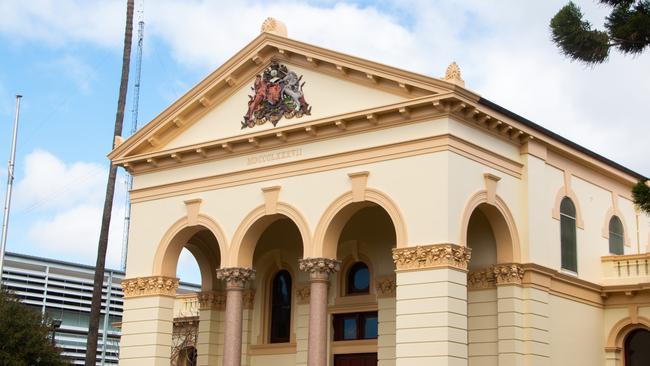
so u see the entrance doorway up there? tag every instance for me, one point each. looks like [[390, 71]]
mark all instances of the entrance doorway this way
[[357, 359]]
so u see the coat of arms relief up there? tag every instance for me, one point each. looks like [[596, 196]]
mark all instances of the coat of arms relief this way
[[277, 93]]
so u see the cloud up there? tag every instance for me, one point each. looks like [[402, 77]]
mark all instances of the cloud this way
[[78, 71], [58, 22], [60, 204], [50, 183]]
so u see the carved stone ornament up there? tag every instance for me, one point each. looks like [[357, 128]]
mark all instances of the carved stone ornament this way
[[385, 286], [508, 273], [452, 74], [236, 277], [481, 279], [215, 300], [319, 265], [272, 25], [431, 256], [150, 286], [277, 93], [303, 291]]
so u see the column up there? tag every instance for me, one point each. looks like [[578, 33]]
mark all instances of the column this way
[[236, 279], [431, 305], [147, 320], [210, 336], [319, 270]]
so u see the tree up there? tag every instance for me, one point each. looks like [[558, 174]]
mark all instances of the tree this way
[[24, 335], [95, 309], [627, 29], [641, 195]]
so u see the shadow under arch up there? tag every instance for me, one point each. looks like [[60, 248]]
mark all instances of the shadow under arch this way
[[183, 234], [253, 226], [341, 210], [501, 221]]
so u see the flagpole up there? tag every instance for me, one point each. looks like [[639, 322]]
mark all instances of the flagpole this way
[[10, 181]]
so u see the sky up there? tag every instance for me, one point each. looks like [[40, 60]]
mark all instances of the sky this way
[[64, 57]]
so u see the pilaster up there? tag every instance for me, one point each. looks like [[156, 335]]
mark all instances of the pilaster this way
[[431, 305], [147, 320], [211, 322]]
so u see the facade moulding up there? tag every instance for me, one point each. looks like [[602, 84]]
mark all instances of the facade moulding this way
[[493, 276], [431, 256], [385, 286], [399, 150], [150, 286]]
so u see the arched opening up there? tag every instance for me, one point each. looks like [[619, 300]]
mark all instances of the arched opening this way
[[637, 348], [276, 248], [192, 255], [493, 241], [568, 237], [364, 236]]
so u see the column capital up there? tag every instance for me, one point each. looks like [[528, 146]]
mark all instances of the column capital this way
[[508, 274], [432, 256], [149, 286], [319, 268], [211, 300], [235, 277]]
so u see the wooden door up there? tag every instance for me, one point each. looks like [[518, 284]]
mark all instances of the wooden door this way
[[357, 359]]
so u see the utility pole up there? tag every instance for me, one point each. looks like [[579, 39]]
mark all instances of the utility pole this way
[[134, 127], [10, 183]]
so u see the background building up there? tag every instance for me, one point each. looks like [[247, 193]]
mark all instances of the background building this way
[[63, 290]]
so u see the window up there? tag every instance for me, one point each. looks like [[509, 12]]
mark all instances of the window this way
[[637, 352], [281, 308], [568, 235], [358, 279], [616, 236], [351, 326]]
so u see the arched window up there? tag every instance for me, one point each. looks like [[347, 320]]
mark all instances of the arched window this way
[[358, 279], [281, 308], [568, 235], [616, 236], [637, 350]]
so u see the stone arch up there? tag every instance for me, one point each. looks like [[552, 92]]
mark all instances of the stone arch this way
[[620, 330], [178, 236], [559, 196], [253, 226], [608, 216], [502, 223], [341, 210]]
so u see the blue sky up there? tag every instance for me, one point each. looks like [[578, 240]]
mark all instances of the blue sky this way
[[65, 57]]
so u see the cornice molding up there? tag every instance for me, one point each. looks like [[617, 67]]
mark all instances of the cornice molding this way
[[150, 286], [432, 256]]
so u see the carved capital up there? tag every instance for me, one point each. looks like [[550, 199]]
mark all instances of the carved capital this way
[[431, 256], [385, 286], [303, 291], [236, 277], [215, 300], [511, 273], [481, 279], [149, 286], [319, 268]]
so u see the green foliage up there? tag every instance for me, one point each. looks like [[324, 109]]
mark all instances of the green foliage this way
[[641, 195], [628, 30], [24, 339]]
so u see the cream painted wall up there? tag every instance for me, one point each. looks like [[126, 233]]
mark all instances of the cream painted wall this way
[[307, 151], [575, 333], [328, 96]]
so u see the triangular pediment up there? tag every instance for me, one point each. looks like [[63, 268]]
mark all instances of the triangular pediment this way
[[334, 84]]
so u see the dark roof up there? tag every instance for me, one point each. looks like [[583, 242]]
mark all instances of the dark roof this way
[[559, 138]]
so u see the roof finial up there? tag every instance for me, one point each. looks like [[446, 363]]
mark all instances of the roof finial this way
[[272, 25], [453, 74]]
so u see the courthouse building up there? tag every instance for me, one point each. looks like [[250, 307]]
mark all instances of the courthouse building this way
[[344, 212]]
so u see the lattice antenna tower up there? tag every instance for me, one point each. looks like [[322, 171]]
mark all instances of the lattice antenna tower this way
[[134, 127]]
